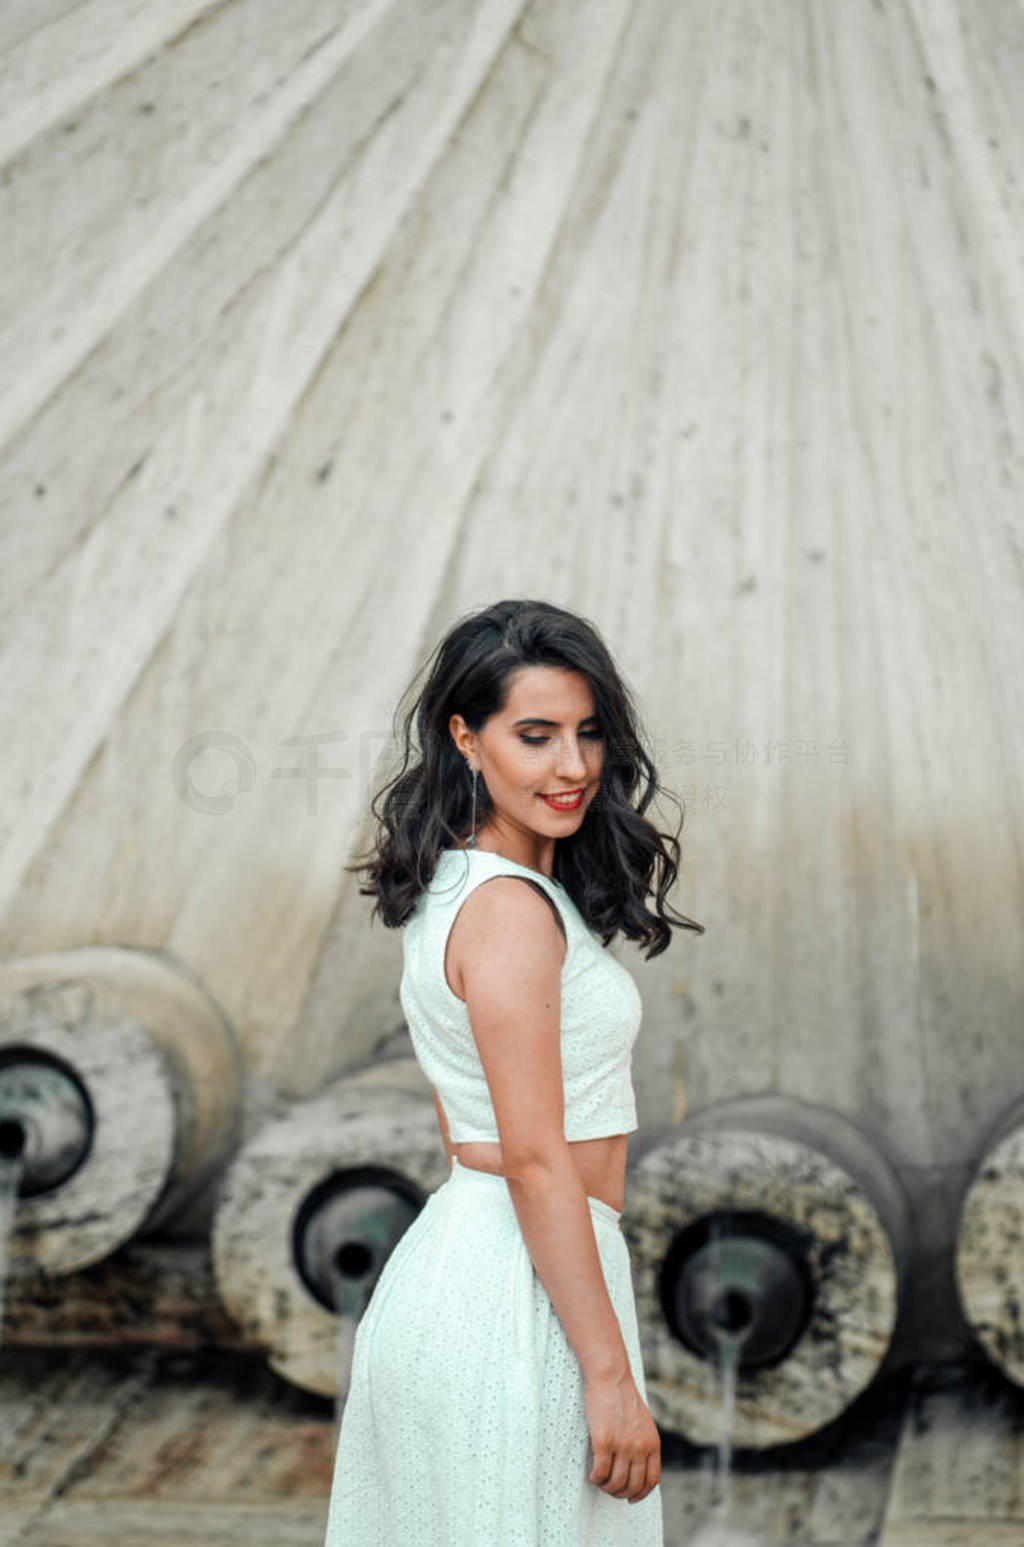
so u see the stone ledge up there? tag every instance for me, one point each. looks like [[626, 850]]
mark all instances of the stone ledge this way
[[156, 1291]]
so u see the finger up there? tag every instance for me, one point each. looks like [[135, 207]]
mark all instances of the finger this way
[[604, 1457], [617, 1476], [637, 1480], [647, 1481], [618, 1480]]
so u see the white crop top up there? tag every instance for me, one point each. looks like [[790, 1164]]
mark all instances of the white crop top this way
[[600, 1010]]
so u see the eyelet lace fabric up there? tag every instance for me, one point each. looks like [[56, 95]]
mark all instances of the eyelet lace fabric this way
[[465, 1423], [601, 1009]]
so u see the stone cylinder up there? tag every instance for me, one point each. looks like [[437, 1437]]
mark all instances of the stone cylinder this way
[[310, 1209], [989, 1255], [769, 1237], [119, 1086]]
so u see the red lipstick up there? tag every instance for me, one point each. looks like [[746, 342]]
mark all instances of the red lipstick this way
[[564, 805]]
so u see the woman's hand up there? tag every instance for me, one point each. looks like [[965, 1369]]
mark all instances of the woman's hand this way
[[624, 1439]]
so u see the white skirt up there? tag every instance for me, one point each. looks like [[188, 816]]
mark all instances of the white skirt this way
[[464, 1424]]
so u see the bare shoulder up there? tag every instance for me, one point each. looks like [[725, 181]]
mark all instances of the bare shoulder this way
[[504, 918], [511, 900]]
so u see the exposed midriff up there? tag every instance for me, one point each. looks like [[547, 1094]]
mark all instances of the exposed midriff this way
[[601, 1163]]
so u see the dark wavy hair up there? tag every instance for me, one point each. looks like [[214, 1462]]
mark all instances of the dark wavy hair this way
[[616, 859]]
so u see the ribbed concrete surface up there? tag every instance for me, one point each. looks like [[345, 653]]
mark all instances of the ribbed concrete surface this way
[[322, 323]]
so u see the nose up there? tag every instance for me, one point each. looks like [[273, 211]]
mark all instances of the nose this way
[[569, 760]]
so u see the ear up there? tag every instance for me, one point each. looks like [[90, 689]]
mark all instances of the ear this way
[[462, 736]]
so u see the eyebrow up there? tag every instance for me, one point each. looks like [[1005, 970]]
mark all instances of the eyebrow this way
[[536, 720]]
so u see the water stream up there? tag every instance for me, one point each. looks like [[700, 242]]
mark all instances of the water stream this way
[[346, 1334], [730, 1320], [348, 1227], [717, 1530]]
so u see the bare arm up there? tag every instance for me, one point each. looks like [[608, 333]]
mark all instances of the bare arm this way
[[509, 951]]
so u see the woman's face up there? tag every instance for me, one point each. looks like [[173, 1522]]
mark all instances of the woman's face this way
[[545, 742]]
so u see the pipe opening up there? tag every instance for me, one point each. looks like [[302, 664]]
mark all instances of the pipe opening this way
[[46, 1118], [12, 1138], [346, 1229], [354, 1259], [740, 1276], [732, 1311]]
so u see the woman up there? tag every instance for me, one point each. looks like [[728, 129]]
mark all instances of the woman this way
[[497, 1393]]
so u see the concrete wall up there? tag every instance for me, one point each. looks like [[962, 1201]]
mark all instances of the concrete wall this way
[[323, 323]]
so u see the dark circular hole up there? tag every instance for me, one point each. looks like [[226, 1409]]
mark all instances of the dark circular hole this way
[[32, 1080], [12, 1138], [345, 1261], [764, 1296], [732, 1311], [354, 1259]]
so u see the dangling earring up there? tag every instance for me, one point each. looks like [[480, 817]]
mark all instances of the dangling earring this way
[[471, 840]]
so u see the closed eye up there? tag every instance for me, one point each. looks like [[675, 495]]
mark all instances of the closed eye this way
[[537, 741]]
